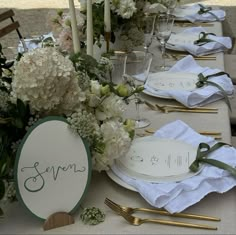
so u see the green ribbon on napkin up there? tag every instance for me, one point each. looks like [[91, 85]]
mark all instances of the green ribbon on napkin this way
[[202, 152], [204, 10], [203, 80], [202, 40]]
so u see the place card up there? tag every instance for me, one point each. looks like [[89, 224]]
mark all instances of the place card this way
[[165, 81], [158, 160]]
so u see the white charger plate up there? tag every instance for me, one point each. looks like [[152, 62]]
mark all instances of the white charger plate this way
[[163, 82], [156, 160]]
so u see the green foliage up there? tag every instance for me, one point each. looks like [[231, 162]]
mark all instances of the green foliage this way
[[89, 65], [2, 192], [13, 121]]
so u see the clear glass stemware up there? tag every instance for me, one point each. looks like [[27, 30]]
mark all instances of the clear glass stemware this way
[[136, 70], [171, 6], [163, 31], [147, 25]]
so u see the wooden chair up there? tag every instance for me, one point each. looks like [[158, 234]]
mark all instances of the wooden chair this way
[[13, 25]]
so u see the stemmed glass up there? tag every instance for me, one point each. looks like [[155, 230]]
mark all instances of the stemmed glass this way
[[171, 6], [163, 31], [147, 25], [136, 69]]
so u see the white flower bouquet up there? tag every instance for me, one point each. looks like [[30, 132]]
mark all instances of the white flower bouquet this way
[[44, 82]]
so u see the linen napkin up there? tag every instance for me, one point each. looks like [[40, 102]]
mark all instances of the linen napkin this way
[[185, 41], [177, 196], [199, 96], [191, 13]]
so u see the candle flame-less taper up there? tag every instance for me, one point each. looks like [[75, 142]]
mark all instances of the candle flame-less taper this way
[[75, 32], [89, 28]]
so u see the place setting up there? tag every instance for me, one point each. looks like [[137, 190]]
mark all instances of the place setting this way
[[182, 83], [172, 177], [198, 13], [198, 42]]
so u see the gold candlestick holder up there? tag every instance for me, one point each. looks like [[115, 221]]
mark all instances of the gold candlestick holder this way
[[107, 39]]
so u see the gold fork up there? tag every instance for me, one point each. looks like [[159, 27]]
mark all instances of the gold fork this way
[[166, 108], [131, 210], [216, 135], [138, 221]]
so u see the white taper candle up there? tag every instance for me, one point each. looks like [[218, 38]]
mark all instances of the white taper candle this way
[[107, 16], [75, 32], [89, 28]]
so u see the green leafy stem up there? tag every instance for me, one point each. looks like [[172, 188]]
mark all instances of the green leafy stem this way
[[204, 10], [202, 40], [203, 151], [203, 80]]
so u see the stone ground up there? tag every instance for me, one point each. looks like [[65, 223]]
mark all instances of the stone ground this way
[[33, 15]]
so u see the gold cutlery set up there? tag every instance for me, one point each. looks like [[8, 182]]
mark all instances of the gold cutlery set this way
[[180, 56], [126, 213], [214, 134], [192, 24], [179, 108]]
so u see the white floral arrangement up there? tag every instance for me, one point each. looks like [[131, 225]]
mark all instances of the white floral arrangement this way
[[45, 82], [125, 15]]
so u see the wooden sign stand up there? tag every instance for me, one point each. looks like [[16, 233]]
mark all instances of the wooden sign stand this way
[[58, 219]]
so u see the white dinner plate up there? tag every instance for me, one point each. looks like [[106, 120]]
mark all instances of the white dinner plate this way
[[158, 160], [161, 83], [176, 40], [117, 180]]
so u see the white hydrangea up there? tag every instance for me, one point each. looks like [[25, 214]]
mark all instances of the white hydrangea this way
[[126, 9], [46, 79], [111, 106], [117, 143], [95, 88]]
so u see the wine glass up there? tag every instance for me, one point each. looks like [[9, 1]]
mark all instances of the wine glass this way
[[171, 6], [136, 69], [163, 30], [147, 25]]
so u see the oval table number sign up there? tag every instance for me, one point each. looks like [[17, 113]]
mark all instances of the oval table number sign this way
[[53, 168]]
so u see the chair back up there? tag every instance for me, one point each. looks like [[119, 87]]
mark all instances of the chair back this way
[[13, 25]]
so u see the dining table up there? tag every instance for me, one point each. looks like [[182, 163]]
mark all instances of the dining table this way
[[18, 220]]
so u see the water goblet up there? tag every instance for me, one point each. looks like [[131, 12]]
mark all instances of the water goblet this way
[[136, 70], [171, 6], [147, 24], [163, 31]]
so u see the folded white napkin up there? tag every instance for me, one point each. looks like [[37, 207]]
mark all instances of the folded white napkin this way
[[177, 196], [191, 13], [199, 96], [184, 41]]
